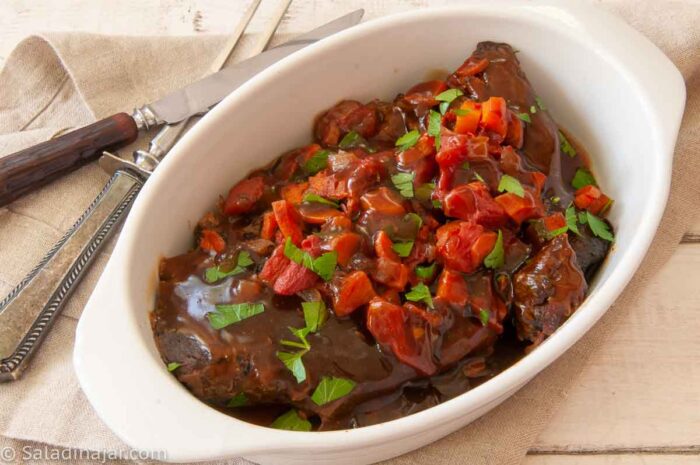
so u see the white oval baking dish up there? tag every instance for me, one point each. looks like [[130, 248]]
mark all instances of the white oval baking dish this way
[[601, 79]]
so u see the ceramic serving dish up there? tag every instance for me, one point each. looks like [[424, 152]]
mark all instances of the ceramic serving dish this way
[[602, 80]]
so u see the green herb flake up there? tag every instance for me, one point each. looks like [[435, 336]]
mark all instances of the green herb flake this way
[[437, 204], [214, 274], [533, 109], [403, 249], [571, 224], [324, 266], [599, 227], [291, 421], [420, 292], [408, 140], [496, 258], [484, 316], [478, 177], [424, 191], [466, 165], [540, 103], [461, 111], [239, 400], [444, 106], [557, 232], [349, 140], [293, 362], [330, 389], [449, 95], [566, 146], [426, 272], [244, 259], [317, 162], [315, 315], [310, 197], [434, 125], [229, 314], [583, 178], [524, 117], [172, 366], [301, 334], [404, 183], [556, 199], [415, 218], [512, 185]]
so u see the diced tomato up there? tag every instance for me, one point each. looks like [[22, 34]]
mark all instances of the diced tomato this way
[[462, 245], [274, 266], [346, 245], [592, 199], [469, 123], [243, 196], [330, 186], [472, 66], [269, 226], [515, 134], [383, 247], [312, 244], [288, 220], [211, 241], [294, 278], [453, 149], [473, 202], [353, 291], [521, 208], [383, 200], [494, 114], [391, 327], [554, 221], [294, 193], [391, 273], [452, 288]]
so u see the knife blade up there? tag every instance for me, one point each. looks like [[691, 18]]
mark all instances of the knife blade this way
[[29, 310]]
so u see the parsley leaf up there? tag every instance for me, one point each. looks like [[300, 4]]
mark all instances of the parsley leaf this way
[[310, 197], [291, 421], [484, 316], [557, 232], [330, 389], [172, 366], [408, 140], [317, 162], [566, 146], [403, 249], [214, 274], [424, 191], [315, 315], [524, 117], [599, 227], [583, 178], [496, 257], [420, 292], [301, 334], [292, 360], [478, 177], [229, 314], [434, 123], [571, 220], [533, 109], [512, 185], [461, 111], [540, 103], [425, 272], [404, 183], [443, 107], [239, 400], [324, 266], [349, 140], [437, 204], [415, 218], [448, 95]]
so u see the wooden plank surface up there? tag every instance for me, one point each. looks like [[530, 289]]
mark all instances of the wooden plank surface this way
[[637, 403]]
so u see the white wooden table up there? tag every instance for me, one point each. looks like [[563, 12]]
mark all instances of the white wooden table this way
[[637, 403]]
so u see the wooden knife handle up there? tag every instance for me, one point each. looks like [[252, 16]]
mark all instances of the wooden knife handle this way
[[24, 171]]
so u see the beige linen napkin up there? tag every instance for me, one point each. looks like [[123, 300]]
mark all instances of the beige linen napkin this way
[[59, 81]]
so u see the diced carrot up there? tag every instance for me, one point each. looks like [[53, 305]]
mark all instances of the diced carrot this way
[[520, 208], [288, 220], [338, 223], [383, 247], [425, 147], [469, 123], [391, 273], [494, 114], [346, 245], [554, 221], [462, 245], [269, 226], [592, 199], [452, 288], [354, 291], [318, 213], [243, 196], [211, 241], [294, 193], [330, 186], [483, 246], [515, 135], [383, 200]]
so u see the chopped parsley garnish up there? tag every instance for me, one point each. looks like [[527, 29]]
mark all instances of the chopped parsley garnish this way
[[570, 216], [330, 389], [496, 257], [533, 109], [466, 165], [512, 185], [408, 140], [233, 313], [566, 146], [420, 292], [478, 177], [324, 266], [425, 272], [540, 103], [415, 218], [424, 191], [437, 204], [556, 199], [484, 316], [404, 183], [434, 123], [291, 421], [349, 140], [557, 232], [301, 334], [310, 197], [172, 366], [315, 314], [316, 162], [403, 249], [599, 227], [239, 400], [293, 362], [524, 117], [461, 111], [446, 97], [583, 178], [214, 274]]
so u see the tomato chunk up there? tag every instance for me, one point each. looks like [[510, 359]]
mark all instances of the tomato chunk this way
[[391, 273], [269, 226], [494, 114], [452, 288], [473, 202], [274, 266], [521, 208], [243, 196], [469, 122], [592, 199], [353, 291], [463, 245], [288, 220], [294, 278], [211, 241]]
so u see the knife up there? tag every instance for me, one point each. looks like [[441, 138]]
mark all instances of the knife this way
[[36, 166], [29, 310]]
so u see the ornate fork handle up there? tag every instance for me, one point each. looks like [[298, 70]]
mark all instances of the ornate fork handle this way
[[29, 310]]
